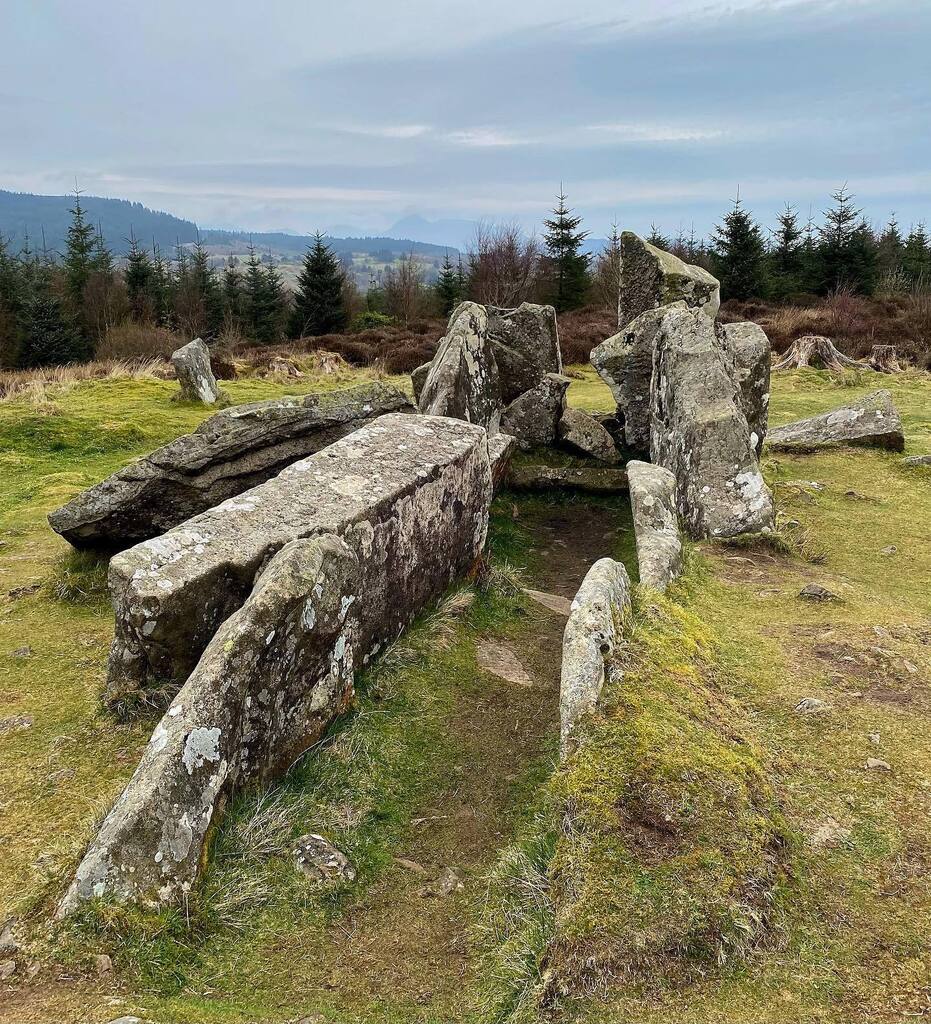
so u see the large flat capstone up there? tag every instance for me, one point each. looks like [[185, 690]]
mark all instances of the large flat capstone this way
[[236, 449], [274, 676], [700, 434], [872, 421], [408, 494]]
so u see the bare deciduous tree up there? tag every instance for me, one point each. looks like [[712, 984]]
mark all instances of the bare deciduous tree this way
[[606, 283], [403, 288], [503, 265]]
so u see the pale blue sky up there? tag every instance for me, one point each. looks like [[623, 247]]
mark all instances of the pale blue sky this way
[[298, 115]]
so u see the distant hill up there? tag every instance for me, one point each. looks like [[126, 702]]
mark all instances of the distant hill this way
[[284, 243], [22, 214]]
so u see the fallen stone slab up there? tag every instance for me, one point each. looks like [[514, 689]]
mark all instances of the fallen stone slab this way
[[699, 433], [413, 490], [552, 602], [592, 479], [656, 523], [625, 363], [463, 380], [192, 365], [872, 421], [652, 277], [274, 676], [501, 661], [592, 635], [533, 417], [236, 449], [525, 342], [582, 433], [747, 348], [917, 460]]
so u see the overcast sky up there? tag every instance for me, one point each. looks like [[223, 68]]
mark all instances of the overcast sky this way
[[297, 115]]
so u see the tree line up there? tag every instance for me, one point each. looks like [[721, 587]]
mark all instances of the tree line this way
[[57, 309]]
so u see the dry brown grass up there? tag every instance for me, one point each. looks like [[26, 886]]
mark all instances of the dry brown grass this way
[[38, 383], [131, 340]]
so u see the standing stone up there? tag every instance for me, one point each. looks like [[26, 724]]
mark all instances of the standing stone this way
[[592, 635], [525, 342], [192, 365], [408, 494], [237, 448], [463, 380], [625, 363], [533, 417], [651, 277], [748, 351], [872, 421], [656, 523], [584, 434], [699, 433]]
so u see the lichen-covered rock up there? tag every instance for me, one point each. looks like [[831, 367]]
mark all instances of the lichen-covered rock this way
[[192, 365], [748, 351], [408, 494], [319, 860], [525, 342], [418, 379], [651, 277], [535, 476], [463, 379], [533, 417], [274, 676], [583, 433], [656, 523], [872, 421], [501, 450], [699, 433], [237, 448], [625, 363], [593, 632]]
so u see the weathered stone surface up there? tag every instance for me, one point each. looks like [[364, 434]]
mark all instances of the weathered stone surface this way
[[625, 363], [651, 277], [699, 433], [192, 365], [276, 673], [501, 449], [525, 342], [463, 380], [592, 479], [917, 460], [418, 379], [319, 860], [747, 349], [409, 494], [583, 433], [872, 421], [235, 449], [656, 523], [593, 632], [533, 417]]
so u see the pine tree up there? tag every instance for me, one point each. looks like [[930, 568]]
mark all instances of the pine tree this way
[[567, 265], [11, 305], [739, 255], [233, 296], [890, 251], [786, 257], [205, 290], [138, 276], [916, 256], [657, 238], [160, 288], [263, 300], [49, 335], [846, 251], [80, 247], [318, 303], [447, 287]]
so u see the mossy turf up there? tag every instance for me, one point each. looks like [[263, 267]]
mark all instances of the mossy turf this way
[[847, 939]]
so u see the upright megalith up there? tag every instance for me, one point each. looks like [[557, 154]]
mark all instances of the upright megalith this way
[[408, 494], [237, 448], [274, 676], [699, 432], [192, 365], [590, 641], [651, 277], [463, 378], [872, 421], [747, 350], [656, 523], [533, 417], [525, 342]]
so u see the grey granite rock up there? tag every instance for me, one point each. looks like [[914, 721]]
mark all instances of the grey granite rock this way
[[872, 421]]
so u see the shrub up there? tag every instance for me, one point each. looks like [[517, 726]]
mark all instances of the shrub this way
[[369, 320], [129, 340]]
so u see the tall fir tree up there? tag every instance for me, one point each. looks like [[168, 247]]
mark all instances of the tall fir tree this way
[[49, 335], [160, 288], [263, 300], [447, 287], [233, 296], [739, 255], [890, 252], [205, 289], [786, 257], [846, 253], [138, 277], [12, 297], [566, 264], [657, 238], [916, 256], [318, 303]]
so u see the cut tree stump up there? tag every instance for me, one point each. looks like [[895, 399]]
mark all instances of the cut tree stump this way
[[884, 359], [816, 351]]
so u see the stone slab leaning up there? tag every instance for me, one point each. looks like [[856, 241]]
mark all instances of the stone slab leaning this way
[[408, 494], [656, 523], [872, 421], [235, 449], [593, 632]]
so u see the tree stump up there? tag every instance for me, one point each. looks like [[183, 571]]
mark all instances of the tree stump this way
[[816, 351], [883, 359]]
